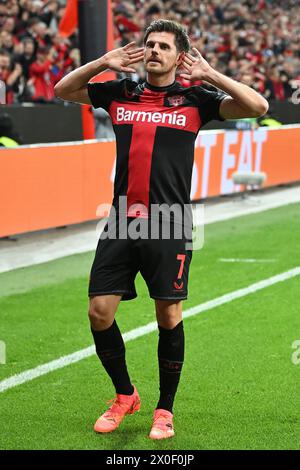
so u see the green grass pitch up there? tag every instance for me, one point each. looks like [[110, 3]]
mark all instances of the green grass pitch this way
[[239, 387]]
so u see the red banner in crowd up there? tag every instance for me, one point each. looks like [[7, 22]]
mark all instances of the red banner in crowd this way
[[69, 21]]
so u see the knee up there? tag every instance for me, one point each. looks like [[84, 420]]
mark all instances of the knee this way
[[169, 319], [168, 314], [100, 314], [169, 322]]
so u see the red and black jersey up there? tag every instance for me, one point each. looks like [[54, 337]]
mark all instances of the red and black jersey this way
[[155, 129]]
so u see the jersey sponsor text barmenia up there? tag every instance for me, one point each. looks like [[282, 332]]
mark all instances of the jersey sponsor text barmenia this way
[[143, 116]]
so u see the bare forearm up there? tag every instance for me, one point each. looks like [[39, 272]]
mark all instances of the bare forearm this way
[[73, 87], [79, 77], [241, 93]]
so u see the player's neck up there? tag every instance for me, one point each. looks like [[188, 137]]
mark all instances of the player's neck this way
[[160, 80]]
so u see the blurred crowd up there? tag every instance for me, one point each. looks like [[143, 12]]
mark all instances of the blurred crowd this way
[[256, 42], [33, 56], [253, 41]]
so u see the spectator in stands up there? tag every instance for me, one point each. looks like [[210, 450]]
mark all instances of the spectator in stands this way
[[3, 14], [8, 136], [27, 56], [7, 41], [38, 32], [237, 37], [43, 35], [29, 29], [49, 14], [9, 25], [40, 76], [11, 75], [277, 86]]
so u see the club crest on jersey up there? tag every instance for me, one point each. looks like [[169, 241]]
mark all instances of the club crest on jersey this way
[[176, 100]]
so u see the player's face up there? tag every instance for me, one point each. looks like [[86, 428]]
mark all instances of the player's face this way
[[161, 54]]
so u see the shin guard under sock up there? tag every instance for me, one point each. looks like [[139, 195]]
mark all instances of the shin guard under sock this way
[[110, 349], [170, 358]]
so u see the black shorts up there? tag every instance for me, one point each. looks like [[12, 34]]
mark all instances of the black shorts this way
[[163, 263]]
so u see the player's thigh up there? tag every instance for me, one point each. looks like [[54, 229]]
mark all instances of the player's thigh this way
[[164, 265], [114, 269]]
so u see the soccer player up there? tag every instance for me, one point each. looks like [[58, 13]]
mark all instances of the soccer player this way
[[156, 123]]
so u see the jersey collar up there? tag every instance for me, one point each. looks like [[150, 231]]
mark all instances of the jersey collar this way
[[160, 88]]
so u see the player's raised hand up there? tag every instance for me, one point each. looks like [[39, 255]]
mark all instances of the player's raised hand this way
[[196, 67], [121, 59]]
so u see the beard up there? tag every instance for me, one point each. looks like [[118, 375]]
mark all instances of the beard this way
[[159, 69]]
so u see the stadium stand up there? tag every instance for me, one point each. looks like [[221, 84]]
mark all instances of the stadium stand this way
[[33, 57], [254, 41]]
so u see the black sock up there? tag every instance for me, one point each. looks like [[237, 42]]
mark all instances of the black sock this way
[[170, 358], [111, 352]]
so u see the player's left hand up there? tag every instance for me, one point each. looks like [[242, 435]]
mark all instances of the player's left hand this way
[[196, 68]]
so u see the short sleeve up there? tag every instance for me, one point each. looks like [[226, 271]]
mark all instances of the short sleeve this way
[[209, 104], [102, 94]]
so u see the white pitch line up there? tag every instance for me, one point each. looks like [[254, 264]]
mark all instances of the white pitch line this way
[[77, 356], [246, 260]]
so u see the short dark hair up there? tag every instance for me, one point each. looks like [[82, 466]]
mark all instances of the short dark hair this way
[[181, 38]]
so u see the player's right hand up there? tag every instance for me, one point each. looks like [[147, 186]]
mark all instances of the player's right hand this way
[[121, 59]]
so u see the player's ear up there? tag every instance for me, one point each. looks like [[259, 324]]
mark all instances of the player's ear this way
[[180, 58]]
